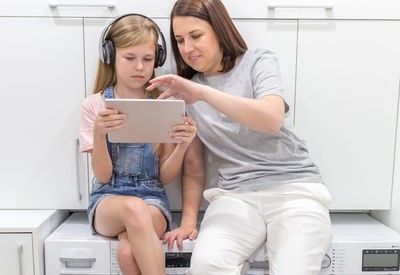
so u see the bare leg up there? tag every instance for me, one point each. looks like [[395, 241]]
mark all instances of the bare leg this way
[[116, 214], [126, 261]]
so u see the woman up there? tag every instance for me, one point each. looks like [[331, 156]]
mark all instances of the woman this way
[[128, 198], [269, 190]]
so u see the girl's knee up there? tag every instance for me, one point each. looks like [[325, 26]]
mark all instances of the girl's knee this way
[[136, 214]]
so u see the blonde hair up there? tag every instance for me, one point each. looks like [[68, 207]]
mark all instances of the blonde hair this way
[[129, 31]]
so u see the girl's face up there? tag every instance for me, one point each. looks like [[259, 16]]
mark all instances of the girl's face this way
[[198, 44], [134, 65]]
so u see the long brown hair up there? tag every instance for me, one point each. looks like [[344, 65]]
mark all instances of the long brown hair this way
[[129, 31], [214, 12]]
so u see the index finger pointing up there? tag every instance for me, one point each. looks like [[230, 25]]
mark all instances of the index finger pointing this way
[[153, 86]]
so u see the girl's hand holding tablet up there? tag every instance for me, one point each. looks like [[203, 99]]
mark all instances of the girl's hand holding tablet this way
[[108, 120]]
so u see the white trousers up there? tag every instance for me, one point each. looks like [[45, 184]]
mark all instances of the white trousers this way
[[293, 219]]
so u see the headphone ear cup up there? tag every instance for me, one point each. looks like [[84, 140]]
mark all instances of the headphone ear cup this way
[[157, 57], [108, 52], [160, 56]]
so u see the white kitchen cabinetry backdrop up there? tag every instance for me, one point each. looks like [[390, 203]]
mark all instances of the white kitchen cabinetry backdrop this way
[[42, 87], [347, 90], [341, 76], [86, 8], [261, 9], [22, 236]]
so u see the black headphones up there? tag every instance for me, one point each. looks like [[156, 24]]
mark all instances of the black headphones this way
[[107, 49]]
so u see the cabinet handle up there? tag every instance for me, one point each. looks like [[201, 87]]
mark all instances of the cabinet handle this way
[[20, 250], [107, 4], [78, 171], [78, 262], [290, 5]]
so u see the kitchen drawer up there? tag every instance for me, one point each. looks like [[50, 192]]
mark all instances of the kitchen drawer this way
[[292, 9], [85, 8]]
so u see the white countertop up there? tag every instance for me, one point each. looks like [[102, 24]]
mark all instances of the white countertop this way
[[23, 220]]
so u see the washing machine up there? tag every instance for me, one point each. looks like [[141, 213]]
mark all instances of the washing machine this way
[[73, 249], [360, 245]]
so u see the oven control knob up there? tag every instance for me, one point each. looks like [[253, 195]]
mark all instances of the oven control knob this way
[[326, 261]]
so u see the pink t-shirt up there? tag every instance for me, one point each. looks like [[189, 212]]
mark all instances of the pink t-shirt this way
[[89, 109]]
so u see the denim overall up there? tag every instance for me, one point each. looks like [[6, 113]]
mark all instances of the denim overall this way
[[135, 173]]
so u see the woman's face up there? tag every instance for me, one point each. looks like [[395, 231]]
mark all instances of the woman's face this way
[[198, 44], [134, 65]]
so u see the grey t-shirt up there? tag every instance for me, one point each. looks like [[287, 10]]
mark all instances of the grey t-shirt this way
[[247, 159]]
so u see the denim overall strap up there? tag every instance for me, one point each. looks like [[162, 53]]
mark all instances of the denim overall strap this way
[[108, 93]]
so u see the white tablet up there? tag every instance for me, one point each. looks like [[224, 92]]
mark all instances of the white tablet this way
[[147, 120]]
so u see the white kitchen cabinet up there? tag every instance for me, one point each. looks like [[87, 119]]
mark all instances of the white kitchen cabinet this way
[[42, 65], [86, 8], [347, 92], [322, 9], [341, 9], [260, 9], [22, 236], [16, 254]]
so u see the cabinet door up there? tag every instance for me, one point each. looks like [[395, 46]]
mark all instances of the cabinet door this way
[[42, 88], [16, 256], [346, 106]]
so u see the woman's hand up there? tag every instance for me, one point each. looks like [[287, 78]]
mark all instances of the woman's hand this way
[[179, 234], [108, 120], [184, 132], [179, 87]]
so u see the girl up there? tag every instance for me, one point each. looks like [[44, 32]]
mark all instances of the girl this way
[[128, 199], [269, 190]]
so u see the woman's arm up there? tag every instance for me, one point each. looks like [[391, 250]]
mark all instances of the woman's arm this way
[[192, 182], [263, 115], [170, 160]]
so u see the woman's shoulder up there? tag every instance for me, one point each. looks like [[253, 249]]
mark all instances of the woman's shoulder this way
[[259, 53], [261, 60]]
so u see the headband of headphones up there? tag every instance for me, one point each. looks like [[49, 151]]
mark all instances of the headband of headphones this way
[[107, 49]]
